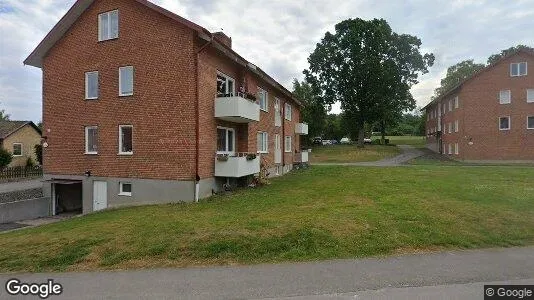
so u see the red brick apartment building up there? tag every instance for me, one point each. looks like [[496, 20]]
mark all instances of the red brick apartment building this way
[[489, 116], [143, 106]]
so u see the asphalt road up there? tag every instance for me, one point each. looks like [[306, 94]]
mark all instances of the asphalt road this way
[[21, 185], [460, 272]]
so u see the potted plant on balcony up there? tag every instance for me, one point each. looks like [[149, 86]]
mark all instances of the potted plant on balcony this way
[[222, 157], [251, 156]]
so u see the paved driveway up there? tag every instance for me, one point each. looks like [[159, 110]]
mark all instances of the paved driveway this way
[[407, 153], [372, 278], [21, 185]]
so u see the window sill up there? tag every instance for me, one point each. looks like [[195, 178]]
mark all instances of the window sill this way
[[125, 153], [91, 98], [263, 152], [287, 151], [264, 110], [18, 155], [125, 194], [126, 95], [91, 153], [507, 129], [107, 40]]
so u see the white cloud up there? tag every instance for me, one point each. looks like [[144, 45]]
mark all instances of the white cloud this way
[[279, 35]]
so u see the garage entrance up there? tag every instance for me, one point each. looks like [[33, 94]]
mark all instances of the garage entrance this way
[[67, 196]]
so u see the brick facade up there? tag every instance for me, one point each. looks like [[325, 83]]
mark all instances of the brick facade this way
[[479, 137]]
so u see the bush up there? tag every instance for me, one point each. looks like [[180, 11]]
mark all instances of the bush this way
[[29, 162], [5, 158], [39, 153]]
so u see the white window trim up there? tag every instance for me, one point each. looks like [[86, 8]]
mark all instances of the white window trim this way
[[100, 38], [265, 97], [518, 69], [509, 97], [233, 140], [120, 140], [456, 149], [532, 99], [450, 104], [287, 149], [121, 94], [265, 142], [450, 149], [87, 140], [87, 85], [456, 102], [121, 192], [450, 127], [529, 128], [21, 150], [228, 78], [456, 126], [509, 123], [290, 111]]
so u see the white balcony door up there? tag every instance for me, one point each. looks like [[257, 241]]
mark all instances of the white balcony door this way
[[277, 114], [277, 149]]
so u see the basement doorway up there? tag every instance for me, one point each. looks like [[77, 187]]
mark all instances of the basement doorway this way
[[67, 196]]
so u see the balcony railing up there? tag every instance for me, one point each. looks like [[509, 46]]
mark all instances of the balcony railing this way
[[301, 157], [237, 109], [237, 165], [301, 128]]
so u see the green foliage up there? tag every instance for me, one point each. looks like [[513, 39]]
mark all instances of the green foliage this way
[[456, 74], [368, 68], [3, 115], [5, 158], [495, 57], [314, 111], [29, 162], [39, 153], [407, 124]]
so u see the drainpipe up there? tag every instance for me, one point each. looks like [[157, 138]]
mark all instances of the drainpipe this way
[[197, 119], [282, 112]]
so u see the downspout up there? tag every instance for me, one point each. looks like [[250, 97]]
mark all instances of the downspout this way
[[282, 116], [197, 119]]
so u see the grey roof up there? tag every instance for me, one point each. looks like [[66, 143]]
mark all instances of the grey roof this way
[[9, 127]]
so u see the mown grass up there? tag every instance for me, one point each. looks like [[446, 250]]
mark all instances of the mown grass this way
[[320, 213], [351, 153]]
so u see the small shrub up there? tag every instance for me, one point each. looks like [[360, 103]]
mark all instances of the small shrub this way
[[39, 153], [29, 162], [5, 158]]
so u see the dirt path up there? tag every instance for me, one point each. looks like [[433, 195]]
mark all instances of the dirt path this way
[[408, 153]]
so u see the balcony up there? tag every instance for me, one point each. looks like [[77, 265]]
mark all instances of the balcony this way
[[236, 109], [237, 165], [301, 157], [301, 128]]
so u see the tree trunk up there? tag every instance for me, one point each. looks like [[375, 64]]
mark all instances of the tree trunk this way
[[361, 135], [383, 132]]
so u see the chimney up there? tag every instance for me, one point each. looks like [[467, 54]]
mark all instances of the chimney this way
[[223, 38]]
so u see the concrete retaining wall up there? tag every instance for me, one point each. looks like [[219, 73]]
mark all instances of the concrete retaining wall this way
[[24, 210]]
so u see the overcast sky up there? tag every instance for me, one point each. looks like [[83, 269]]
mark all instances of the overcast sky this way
[[279, 35]]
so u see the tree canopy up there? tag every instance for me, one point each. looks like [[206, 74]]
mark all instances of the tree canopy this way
[[456, 74], [495, 57], [314, 111], [368, 68]]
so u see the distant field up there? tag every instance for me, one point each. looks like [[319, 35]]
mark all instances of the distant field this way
[[404, 140], [351, 153]]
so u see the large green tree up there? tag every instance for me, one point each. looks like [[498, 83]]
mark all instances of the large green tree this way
[[495, 57], [456, 74], [314, 111], [368, 68]]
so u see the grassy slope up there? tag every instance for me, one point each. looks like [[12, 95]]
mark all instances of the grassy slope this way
[[351, 153], [319, 213]]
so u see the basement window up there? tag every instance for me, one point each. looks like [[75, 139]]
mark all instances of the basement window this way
[[108, 25], [125, 189], [504, 123]]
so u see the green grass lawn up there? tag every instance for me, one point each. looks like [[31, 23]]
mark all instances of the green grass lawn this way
[[404, 140], [320, 213], [351, 153]]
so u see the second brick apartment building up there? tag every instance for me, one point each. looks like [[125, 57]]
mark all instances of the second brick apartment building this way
[[143, 106], [488, 117]]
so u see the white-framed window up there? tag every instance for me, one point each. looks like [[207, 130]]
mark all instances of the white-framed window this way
[[456, 102], [225, 140], [456, 126], [518, 69], [108, 25], [91, 140], [456, 149], [505, 96], [126, 81], [125, 189], [504, 123], [225, 85], [263, 142], [444, 108], [91, 85], [263, 98], [17, 149], [530, 95], [125, 139], [277, 114], [450, 148], [444, 149], [450, 105], [530, 122], [450, 127], [288, 111], [288, 144]]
